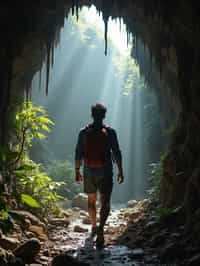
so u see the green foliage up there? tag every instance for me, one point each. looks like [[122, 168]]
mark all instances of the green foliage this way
[[155, 179], [156, 173], [128, 70], [63, 171], [37, 189], [30, 186]]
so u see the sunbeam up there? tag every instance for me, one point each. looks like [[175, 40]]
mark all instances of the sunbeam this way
[[81, 76]]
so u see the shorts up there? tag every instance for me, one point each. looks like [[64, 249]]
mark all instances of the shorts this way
[[103, 184]]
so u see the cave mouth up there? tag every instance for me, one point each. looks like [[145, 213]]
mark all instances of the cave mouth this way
[[80, 76]]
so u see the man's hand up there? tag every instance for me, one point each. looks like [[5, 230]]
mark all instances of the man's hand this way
[[120, 178], [78, 177]]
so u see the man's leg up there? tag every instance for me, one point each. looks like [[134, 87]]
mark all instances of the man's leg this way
[[104, 212], [105, 208], [92, 208]]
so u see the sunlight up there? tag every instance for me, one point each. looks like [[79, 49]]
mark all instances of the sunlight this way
[[81, 76], [116, 30]]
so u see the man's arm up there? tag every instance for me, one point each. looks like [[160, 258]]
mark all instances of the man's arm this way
[[78, 158], [117, 155]]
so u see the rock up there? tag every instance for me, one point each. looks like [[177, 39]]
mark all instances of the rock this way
[[80, 201], [194, 261], [39, 231], [137, 254], [9, 243], [79, 229], [65, 259], [131, 203], [30, 234], [60, 222], [83, 213], [28, 250], [86, 220], [29, 216]]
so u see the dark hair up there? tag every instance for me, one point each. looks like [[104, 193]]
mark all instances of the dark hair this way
[[98, 111]]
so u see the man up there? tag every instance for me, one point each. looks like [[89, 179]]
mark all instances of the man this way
[[97, 146]]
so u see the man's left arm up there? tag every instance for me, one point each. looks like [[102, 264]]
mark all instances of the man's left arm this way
[[117, 155]]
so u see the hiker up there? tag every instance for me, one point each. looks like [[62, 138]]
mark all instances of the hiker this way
[[98, 147]]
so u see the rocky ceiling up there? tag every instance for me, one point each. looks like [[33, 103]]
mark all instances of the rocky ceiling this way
[[169, 29]]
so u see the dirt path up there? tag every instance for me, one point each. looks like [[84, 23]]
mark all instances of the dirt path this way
[[74, 240]]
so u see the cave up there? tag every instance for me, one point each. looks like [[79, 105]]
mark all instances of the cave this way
[[170, 32]]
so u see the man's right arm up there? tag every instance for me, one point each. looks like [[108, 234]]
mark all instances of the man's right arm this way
[[78, 158]]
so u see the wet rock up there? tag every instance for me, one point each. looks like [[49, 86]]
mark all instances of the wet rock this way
[[28, 250], [9, 243], [83, 213], [80, 201], [39, 231], [137, 254], [25, 216], [131, 203], [80, 229], [30, 234], [86, 220], [66, 260], [60, 222], [8, 259], [194, 261]]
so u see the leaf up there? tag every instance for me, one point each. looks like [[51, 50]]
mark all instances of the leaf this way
[[26, 167], [30, 201]]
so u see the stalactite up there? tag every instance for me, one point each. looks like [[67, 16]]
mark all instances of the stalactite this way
[[52, 53], [48, 47], [120, 24], [40, 78], [73, 6], [77, 6], [106, 34]]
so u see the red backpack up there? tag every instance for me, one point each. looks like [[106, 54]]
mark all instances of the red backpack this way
[[96, 146]]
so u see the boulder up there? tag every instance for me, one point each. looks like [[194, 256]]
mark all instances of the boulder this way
[[27, 215], [39, 231], [131, 203], [28, 250], [80, 229], [9, 243], [80, 201], [59, 222], [86, 220]]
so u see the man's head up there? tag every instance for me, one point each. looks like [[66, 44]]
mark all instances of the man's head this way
[[98, 112]]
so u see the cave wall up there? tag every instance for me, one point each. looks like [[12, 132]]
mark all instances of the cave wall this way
[[171, 33]]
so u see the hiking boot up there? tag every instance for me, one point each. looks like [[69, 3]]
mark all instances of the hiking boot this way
[[93, 232], [100, 237]]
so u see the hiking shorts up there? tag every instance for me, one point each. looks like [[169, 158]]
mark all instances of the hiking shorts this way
[[103, 184]]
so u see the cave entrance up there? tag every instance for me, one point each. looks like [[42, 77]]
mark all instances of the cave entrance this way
[[81, 76]]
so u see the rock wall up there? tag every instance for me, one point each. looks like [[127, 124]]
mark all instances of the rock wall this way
[[171, 33]]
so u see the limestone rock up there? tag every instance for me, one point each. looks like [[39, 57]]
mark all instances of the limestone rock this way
[[80, 201], [80, 229], [9, 243], [131, 203], [28, 250], [60, 221], [28, 218], [86, 220], [39, 231]]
